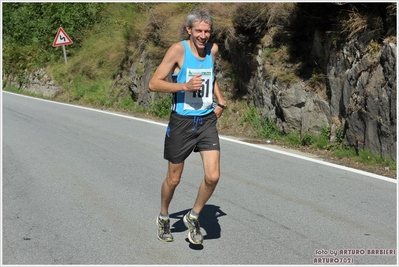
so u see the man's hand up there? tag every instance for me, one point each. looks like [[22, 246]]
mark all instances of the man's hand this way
[[194, 84], [218, 111]]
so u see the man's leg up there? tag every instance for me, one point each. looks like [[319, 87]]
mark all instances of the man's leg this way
[[168, 188], [211, 162], [169, 185]]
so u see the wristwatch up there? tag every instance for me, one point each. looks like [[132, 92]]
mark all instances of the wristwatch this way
[[222, 106]]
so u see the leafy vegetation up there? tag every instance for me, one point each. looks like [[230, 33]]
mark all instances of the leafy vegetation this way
[[264, 127], [364, 156], [161, 106], [29, 29]]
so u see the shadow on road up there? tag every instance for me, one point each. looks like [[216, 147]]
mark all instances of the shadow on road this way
[[208, 221]]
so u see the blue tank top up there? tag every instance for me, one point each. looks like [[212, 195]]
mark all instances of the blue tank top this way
[[197, 103]]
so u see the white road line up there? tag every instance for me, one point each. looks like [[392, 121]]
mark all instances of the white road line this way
[[226, 139]]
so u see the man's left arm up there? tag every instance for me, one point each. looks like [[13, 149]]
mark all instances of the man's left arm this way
[[220, 102]]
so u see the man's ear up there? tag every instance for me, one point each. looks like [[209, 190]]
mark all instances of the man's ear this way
[[188, 29]]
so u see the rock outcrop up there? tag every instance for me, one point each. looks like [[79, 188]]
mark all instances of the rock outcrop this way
[[37, 82], [361, 100]]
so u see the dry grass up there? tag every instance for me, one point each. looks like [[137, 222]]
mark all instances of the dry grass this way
[[169, 19], [356, 23], [359, 22], [279, 13], [232, 121]]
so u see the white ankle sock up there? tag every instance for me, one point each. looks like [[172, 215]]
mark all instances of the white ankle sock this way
[[163, 217], [194, 215]]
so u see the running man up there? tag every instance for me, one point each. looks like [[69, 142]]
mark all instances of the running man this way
[[192, 124]]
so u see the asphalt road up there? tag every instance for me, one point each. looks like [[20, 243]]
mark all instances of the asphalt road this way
[[82, 186]]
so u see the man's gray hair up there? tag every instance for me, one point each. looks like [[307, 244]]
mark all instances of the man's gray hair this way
[[199, 15]]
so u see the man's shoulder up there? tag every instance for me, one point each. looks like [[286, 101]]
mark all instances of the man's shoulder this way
[[177, 47], [175, 52], [214, 48]]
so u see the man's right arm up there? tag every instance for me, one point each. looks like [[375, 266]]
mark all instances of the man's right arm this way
[[173, 57], [158, 81]]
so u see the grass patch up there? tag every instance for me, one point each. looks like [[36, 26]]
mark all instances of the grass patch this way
[[292, 139], [126, 103], [364, 157], [264, 127], [13, 89]]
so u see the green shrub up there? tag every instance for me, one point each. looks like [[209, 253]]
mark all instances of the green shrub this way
[[269, 129], [265, 127], [293, 139], [32, 27], [252, 117], [339, 135], [161, 105], [307, 139], [321, 142]]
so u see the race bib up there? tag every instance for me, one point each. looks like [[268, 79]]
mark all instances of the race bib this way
[[203, 98]]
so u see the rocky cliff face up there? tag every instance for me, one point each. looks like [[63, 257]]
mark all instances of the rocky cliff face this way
[[360, 98], [363, 95]]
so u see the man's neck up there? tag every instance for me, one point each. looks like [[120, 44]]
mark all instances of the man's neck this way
[[199, 53]]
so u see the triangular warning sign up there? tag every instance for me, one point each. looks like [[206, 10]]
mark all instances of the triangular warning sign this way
[[62, 38]]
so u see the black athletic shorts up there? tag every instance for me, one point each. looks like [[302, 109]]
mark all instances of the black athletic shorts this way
[[185, 134]]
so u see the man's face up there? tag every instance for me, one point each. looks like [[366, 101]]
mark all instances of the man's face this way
[[200, 33]]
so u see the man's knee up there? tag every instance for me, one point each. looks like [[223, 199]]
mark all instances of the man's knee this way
[[174, 174], [212, 178], [172, 181]]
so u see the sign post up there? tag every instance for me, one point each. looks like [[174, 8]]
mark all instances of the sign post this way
[[62, 39]]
